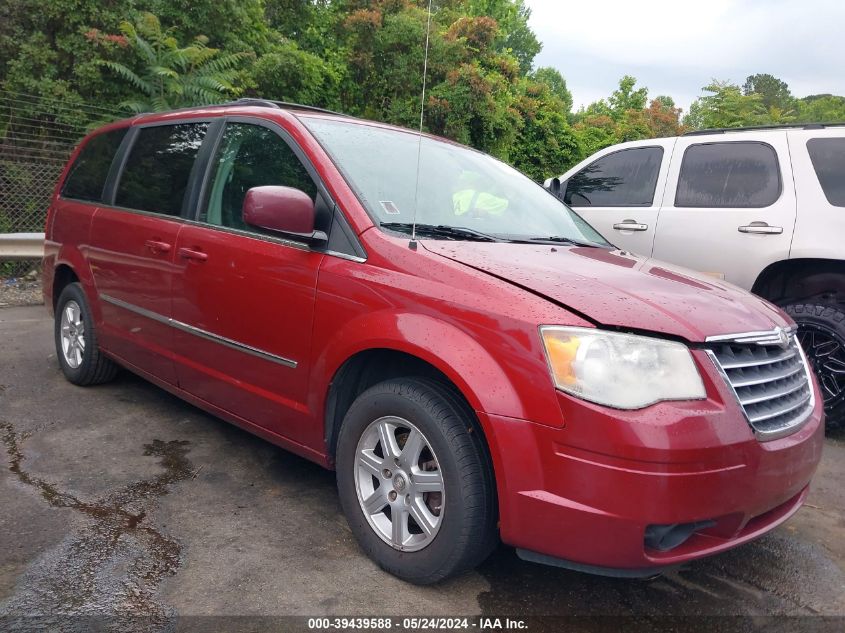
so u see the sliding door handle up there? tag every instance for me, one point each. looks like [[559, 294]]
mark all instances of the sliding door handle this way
[[190, 253], [630, 225], [760, 228]]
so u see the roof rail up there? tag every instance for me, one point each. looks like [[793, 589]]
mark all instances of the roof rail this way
[[252, 101], [752, 128], [269, 103]]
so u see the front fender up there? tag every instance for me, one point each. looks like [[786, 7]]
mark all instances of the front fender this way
[[474, 371]]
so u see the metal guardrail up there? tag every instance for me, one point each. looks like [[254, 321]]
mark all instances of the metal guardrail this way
[[17, 246]]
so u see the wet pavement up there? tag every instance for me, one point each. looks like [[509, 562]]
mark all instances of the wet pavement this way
[[122, 500]]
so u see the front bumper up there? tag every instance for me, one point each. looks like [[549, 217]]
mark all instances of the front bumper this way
[[586, 493]]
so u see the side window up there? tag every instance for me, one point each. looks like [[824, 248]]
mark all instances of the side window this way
[[740, 174], [828, 157], [156, 174], [627, 178], [87, 177], [250, 156]]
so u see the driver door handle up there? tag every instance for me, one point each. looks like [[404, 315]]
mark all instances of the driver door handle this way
[[630, 225], [157, 246], [761, 228]]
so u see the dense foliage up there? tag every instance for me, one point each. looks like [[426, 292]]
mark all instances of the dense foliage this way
[[364, 57]]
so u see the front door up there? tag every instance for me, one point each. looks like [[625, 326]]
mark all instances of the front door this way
[[730, 206], [243, 298], [619, 194], [133, 246]]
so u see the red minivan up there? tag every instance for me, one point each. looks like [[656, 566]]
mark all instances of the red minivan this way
[[473, 359]]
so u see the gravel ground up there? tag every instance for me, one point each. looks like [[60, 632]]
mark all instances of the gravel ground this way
[[21, 291]]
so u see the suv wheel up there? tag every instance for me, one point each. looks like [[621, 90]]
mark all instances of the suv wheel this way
[[415, 482], [80, 358], [821, 331]]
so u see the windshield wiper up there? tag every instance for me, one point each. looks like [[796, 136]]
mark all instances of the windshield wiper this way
[[442, 230], [565, 240]]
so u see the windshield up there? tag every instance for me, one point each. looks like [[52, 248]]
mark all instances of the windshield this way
[[458, 187]]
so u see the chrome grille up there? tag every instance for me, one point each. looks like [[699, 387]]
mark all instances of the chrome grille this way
[[768, 374]]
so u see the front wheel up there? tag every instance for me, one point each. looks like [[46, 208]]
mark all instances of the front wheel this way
[[415, 482], [821, 332]]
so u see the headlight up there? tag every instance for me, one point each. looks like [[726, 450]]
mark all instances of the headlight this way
[[620, 370]]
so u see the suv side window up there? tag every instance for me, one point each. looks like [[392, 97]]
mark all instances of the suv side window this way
[[157, 171], [87, 178], [626, 178], [739, 174], [828, 157], [250, 156]]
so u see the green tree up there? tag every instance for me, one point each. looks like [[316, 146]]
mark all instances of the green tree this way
[[625, 97], [515, 37], [172, 76], [821, 109], [773, 92], [288, 73], [725, 106], [545, 144], [556, 83]]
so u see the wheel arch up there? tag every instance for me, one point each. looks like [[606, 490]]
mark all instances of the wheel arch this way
[[805, 279], [63, 275], [70, 266], [371, 366]]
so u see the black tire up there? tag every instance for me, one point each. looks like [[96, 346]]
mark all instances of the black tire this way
[[94, 368], [468, 532], [821, 330]]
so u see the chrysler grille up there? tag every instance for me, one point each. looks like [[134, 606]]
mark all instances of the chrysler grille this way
[[768, 374]]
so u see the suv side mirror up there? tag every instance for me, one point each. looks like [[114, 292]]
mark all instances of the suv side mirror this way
[[553, 186], [282, 209]]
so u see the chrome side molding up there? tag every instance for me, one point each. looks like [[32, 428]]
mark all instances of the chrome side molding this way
[[210, 336]]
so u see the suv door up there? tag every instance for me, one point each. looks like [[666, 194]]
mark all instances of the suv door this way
[[818, 166], [133, 242], [243, 297], [729, 209], [619, 193]]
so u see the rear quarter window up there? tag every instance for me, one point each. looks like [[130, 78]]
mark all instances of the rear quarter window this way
[[828, 158], [732, 175], [86, 179]]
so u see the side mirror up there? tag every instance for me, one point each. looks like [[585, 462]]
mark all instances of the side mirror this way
[[553, 186], [282, 209]]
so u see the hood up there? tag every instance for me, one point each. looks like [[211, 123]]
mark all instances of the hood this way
[[615, 288]]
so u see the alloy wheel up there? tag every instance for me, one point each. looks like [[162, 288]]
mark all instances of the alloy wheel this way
[[72, 334], [826, 354], [399, 483]]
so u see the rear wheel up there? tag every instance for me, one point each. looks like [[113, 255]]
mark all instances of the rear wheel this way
[[80, 358], [821, 331], [415, 482]]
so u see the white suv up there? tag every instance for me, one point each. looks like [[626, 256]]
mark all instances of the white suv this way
[[763, 208]]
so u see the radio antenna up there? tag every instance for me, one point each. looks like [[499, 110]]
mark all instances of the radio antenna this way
[[413, 243]]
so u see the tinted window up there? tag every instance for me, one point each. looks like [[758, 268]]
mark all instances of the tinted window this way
[[733, 175], [87, 178], [250, 156], [156, 174], [626, 178], [828, 156]]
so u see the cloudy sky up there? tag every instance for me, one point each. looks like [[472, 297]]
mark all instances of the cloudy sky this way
[[675, 47]]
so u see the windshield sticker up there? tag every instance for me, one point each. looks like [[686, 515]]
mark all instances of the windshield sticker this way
[[389, 207]]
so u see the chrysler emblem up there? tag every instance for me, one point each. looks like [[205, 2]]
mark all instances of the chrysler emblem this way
[[783, 337]]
